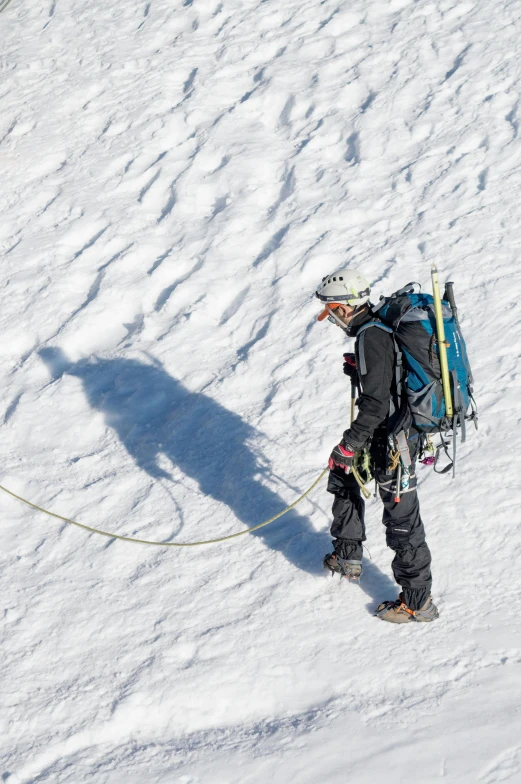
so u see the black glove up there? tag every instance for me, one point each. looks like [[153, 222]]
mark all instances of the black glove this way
[[350, 367], [342, 456]]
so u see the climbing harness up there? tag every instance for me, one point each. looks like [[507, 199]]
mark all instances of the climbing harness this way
[[4, 4], [168, 544]]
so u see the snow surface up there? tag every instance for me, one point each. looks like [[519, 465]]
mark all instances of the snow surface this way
[[177, 177]]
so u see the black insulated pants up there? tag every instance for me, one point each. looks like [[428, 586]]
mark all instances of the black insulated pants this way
[[405, 533]]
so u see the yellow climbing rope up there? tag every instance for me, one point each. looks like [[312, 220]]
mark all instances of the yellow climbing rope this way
[[167, 544]]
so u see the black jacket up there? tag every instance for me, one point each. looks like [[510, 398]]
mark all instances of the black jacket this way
[[378, 386]]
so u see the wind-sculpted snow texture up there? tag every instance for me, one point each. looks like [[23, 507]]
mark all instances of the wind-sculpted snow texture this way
[[176, 179]]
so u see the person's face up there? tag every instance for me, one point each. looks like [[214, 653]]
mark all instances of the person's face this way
[[344, 312]]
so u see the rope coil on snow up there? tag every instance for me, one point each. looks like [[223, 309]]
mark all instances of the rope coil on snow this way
[[167, 544]]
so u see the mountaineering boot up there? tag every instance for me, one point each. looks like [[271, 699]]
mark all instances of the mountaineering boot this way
[[398, 612], [352, 570]]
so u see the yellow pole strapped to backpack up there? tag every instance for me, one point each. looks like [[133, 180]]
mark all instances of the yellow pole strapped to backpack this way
[[442, 343]]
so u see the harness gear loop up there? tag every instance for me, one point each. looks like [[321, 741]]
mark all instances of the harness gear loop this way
[[168, 544]]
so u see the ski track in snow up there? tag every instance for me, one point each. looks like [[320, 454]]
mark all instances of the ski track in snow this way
[[178, 176]]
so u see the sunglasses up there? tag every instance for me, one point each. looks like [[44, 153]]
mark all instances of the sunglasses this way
[[332, 319]]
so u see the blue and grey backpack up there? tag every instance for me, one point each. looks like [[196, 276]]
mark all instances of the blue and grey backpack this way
[[410, 318]]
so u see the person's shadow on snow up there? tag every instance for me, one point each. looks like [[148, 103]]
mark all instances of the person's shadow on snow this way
[[153, 414], [377, 585]]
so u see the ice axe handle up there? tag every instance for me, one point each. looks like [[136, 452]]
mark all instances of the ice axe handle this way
[[448, 296]]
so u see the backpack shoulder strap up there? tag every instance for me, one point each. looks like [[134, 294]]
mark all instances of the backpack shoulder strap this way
[[398, 366], [360, 342]]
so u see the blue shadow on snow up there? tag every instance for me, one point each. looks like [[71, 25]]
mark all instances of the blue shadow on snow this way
[[152, 413]]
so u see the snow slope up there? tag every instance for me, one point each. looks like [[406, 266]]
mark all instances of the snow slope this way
[[177, 177]]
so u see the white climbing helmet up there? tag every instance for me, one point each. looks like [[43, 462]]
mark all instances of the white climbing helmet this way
[[345, 287]]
